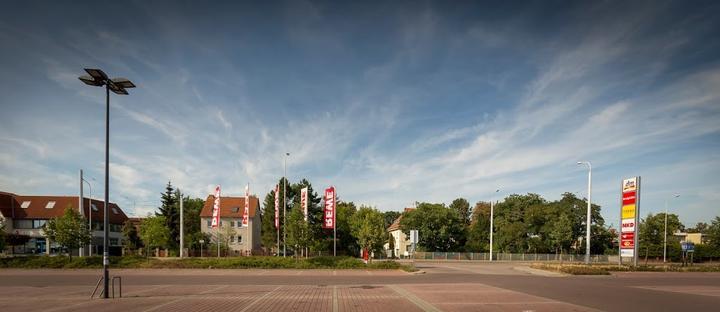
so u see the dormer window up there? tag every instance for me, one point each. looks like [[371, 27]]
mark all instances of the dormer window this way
[[235, 209], [50, 204], [25, 204], [115, 211], [94, 208]]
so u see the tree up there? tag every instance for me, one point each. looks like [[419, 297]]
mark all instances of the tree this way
[[191, 219], [299, 235], [269, 232], [69, 230], [315, 212], [651, 233], [2, 235], [368, 228], [561, 233], [478, 234], [462, 207], [131, 240], [713, 232], [390, 217], [346, 242], [439, 228], [700, 227], [154, 232], [227, 233], [170, 210]]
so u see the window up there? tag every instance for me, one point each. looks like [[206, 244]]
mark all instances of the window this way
[[115, 211], [209, 222], [232, 239], [50, 204], [94, 208], [113, 241], [239, 224], [239, 239], [232, 223], [235, 209], [37, 224], [25, 204], [22, 224]]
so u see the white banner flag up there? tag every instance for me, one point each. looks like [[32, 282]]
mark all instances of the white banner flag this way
[[246, 213], [216, 208], [304, 201]]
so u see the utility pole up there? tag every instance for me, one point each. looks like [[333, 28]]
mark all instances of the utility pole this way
[[181, 225], [492, 227]]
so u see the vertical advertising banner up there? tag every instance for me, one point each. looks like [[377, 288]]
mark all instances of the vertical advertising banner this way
[[216, 208], [329, 211], [304, 201], [246, 212], [277, 206], [628, 217]]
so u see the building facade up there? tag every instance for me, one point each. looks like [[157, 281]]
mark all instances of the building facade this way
[[401, 243], [24, 217], [240, 240]]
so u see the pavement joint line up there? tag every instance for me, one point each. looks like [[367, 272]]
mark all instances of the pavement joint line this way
[[422, 304], [146, 290], [182, 298], [335, 306], [261, 298]]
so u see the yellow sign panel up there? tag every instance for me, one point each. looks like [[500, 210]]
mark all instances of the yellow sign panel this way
[[628, 211]]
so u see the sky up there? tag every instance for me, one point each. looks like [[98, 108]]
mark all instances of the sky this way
[[391, 102]]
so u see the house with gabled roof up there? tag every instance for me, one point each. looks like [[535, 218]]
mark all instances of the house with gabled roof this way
[[245, 240]]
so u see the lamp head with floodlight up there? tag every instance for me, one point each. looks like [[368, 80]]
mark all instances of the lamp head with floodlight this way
[[98, 78]]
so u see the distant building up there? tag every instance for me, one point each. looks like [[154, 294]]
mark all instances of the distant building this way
[[26, 215], [245, 240], [695, 238], [401, 242]]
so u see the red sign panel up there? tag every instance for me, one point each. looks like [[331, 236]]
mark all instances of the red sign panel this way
[[627, 240], [628, 198], [329, 211]]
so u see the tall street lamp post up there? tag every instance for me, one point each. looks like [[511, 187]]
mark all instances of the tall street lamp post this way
[[285, 206], [589, 211], [665, 235], [492, 228], [98, 78]]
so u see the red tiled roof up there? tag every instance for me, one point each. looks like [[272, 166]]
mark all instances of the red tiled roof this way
[[227, 204], [11, 207]]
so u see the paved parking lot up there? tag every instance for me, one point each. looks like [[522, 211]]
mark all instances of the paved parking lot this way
[[443, 287]]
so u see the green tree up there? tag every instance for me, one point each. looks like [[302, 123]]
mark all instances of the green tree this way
[[191, 222], [269, 232], [154, 232], [478, 235], [170, 210], [131, 240], [713, 232], [315, 213], [299, 235], [439, 228], [368, 228], [390, 217], [346, 242], [700, 227], [227, 234], [561, 233], [462, 207], [2, 235], [651, 234], [69, 230]]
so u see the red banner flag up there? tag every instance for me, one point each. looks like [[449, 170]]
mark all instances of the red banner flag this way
[[277, 206], [216, 208], [246, 212], [329, 211]]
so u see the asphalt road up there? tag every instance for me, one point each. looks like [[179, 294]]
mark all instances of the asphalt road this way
[[443, 286]]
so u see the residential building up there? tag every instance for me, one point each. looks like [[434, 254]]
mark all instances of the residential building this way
[[695, 238], [401, 242], [244, 240], [25, 215]]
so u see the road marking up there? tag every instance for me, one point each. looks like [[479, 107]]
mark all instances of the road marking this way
[[261, 298], [183, 298], [422, 304], [336, 308]]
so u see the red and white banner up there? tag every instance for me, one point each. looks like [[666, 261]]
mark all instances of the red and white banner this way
[[246, 212], [329, 211], [304, 201], [277, 206], [216, 208]]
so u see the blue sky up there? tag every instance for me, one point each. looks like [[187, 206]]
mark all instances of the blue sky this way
[[390, 102]]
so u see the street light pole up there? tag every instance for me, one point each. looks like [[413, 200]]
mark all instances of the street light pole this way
[[285, 206], [589, 211], [665, 232], [90, 218], [492, 227], [98, 78]]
